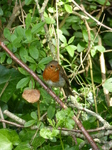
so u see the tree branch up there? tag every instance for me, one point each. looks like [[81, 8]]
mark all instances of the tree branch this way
[[79, 124]]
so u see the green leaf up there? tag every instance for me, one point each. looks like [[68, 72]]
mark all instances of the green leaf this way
[[60, 3], [81, 46], [28, 20], [27, 2], [26, 134], [51, 9], [13, 37], [9, 61], [51, 122], [85, 35], [23, 71], [34, 115], [108, 84], [2, 58], [45, 60], [40, 67], [62, 38], [78, 34], [69, 124], [1, 12], [100, 48], [29, 59], [55, 132], [17, 42], [23, 52], [34, 52], [28, 35], [107, 39], [36, 28], [37, 142], [72, 19], [93, 52], [23, 82], [5, 144], [32, 84], [48, 134], [30, 123], [64, 118], [51, 112], [49, 20], [9, 77], [7, 34], [11, 135], [19, 31], [68, 8], [70, 49], [33, 66], [23, 146], [42, 53], [71, 40], [102, 2]]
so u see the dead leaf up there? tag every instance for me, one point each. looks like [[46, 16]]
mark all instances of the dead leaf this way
[[31, 95]]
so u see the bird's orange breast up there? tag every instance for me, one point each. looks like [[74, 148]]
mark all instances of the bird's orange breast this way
[[50, 74]]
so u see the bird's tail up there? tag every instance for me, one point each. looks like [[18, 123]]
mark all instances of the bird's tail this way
[[68, 91]]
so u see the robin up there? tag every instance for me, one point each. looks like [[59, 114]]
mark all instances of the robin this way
[[55, 76]]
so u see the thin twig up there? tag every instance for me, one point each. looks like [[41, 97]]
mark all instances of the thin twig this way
[[57, 99], [14, 117], [91, 67], [35, 134], [4, 88], [98, 22], [22, 13], [15, 13], [103, 71], [48, 38], [2, 118], [11, 123], [80, 107], [57, 23]]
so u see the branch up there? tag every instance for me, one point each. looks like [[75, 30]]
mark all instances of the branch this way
[[103, 73], [80, 107], [2, 118], [12, 123], [16, 118], [22, 121], [91, 66], [79, 124], [48, 38], [66, 132], [98, 22], [14, 14]]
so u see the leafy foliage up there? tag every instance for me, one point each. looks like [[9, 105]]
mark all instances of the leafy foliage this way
[[81, 43]]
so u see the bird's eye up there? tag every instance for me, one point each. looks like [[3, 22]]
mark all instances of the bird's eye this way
[[51, 66]]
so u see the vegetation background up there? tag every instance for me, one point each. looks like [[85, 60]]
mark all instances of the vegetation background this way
[[79, 35]]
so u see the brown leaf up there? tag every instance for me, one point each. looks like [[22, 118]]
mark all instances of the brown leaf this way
[[31, 95]]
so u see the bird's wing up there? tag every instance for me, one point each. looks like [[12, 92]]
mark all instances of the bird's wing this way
[[63, 74]]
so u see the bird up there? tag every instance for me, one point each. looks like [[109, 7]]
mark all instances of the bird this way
[[55, 76]]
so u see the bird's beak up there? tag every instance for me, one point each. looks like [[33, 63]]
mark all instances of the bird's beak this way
[[57, 68]]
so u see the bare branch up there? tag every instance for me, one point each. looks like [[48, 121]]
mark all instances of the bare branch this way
[[98, 22], [79, 124]]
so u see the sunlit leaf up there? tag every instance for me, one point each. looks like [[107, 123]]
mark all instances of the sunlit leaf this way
[[30, 123], [68, 8], [108, 84], [22, 83], [70, 49], [100, 48], [34, 52]]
